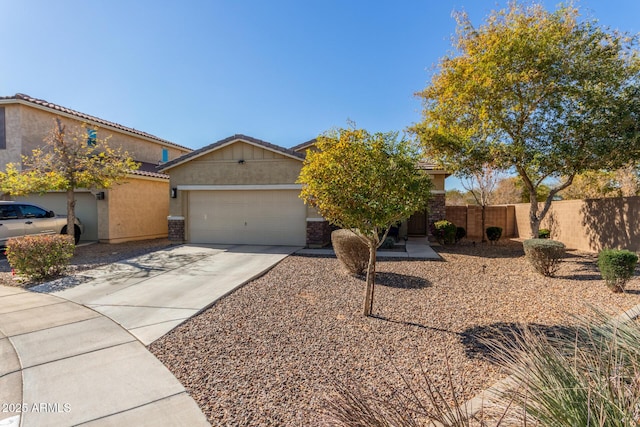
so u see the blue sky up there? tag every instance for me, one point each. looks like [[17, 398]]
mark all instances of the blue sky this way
[[194, 72]]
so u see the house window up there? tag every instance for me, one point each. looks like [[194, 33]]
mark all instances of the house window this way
[[165, 155], [92, 136], [3, 134]]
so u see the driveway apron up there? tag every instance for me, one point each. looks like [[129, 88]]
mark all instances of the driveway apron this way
[[152, 294], [72, 353]]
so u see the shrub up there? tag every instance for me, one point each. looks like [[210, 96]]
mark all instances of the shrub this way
[[494, 233], [617, 267], [351, 251], [544, 233], [460, 233], [388, 243], [544, 255], [40, 256], [444, 231], [585, 375]]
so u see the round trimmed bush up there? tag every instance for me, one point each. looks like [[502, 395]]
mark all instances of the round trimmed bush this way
[[617, 267], [494, 233], [544, 255], [444, 231], [351, 251], [461, 233], [389, 243]]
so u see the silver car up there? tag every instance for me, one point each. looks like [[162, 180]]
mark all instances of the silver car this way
[[20, 219]]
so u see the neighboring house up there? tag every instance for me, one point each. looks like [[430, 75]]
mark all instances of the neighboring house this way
[[134, 210], [242, 190]]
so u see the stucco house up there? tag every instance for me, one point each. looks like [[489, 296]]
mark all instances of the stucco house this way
[[134, 210], [242, 190]]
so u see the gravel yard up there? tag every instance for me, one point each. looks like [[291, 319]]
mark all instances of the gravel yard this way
[[269, 353]]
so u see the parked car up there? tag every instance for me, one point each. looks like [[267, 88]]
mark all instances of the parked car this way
[[20, 219]]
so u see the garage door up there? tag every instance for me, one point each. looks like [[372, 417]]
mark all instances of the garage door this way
[[260, 217]]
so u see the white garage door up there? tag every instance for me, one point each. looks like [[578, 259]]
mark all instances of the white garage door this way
[[260, 217]]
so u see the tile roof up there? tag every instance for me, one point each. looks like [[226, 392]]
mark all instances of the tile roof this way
[[150, 170], [87, 117], [304, 145], [237, 137]]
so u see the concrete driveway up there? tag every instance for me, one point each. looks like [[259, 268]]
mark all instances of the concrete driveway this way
[[152, 294]]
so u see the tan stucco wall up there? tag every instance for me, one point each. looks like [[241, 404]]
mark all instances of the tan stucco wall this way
[[27, 128], [221, 167], [13, 135], [136, 210], [438, 182]]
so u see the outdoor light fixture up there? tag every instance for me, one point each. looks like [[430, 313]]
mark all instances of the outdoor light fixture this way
[[241, 162], [174, 193], [100, 195]]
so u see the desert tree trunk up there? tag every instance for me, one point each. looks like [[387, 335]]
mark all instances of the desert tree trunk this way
[[371, 275], [71, 212]]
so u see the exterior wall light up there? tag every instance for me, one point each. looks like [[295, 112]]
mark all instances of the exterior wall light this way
[[241, 162], [174, 193], [100, 195]]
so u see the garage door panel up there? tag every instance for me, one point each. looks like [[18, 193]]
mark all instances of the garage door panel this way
[[269, 217]]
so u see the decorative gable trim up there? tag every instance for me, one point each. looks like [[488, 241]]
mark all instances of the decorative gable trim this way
[[230, 141]]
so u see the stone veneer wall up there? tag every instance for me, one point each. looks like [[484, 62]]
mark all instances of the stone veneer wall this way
[[437, 209], [319, 233], [176, 229]]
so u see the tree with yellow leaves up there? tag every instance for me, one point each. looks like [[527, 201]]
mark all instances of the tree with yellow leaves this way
[[543, 94], [365, 183], [69, 160]]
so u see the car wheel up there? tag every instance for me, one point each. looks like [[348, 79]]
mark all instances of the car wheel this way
[[76, 234]]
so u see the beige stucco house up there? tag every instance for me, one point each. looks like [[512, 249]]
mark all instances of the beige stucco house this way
[[134, 210], [242, 190]]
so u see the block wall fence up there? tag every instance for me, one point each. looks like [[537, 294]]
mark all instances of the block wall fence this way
[[588, 225]]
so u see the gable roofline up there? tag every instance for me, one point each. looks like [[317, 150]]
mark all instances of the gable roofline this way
[[304, 145], [228, 141], [21, 98]]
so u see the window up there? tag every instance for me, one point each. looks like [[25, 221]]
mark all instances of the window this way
[[92, 136], [8, 212], [30, 211], [165, 155]]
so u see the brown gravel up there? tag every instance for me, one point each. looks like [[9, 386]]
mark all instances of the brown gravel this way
[[269, 353], [89, 256]]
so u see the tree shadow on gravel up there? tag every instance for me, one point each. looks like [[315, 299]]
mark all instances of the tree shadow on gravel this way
[[507, 335], [413, 324], [401, 281]]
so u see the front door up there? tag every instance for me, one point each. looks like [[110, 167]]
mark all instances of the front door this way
[[417, 224]]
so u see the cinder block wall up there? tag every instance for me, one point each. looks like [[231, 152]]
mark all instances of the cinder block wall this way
[[589, 225]]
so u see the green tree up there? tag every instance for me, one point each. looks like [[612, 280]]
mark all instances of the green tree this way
[[541, 93], [365, 183], [68, 161]]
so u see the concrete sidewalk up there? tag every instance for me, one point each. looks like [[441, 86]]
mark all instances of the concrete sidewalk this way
[[64, 364], [152, 294], [416, 248]]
